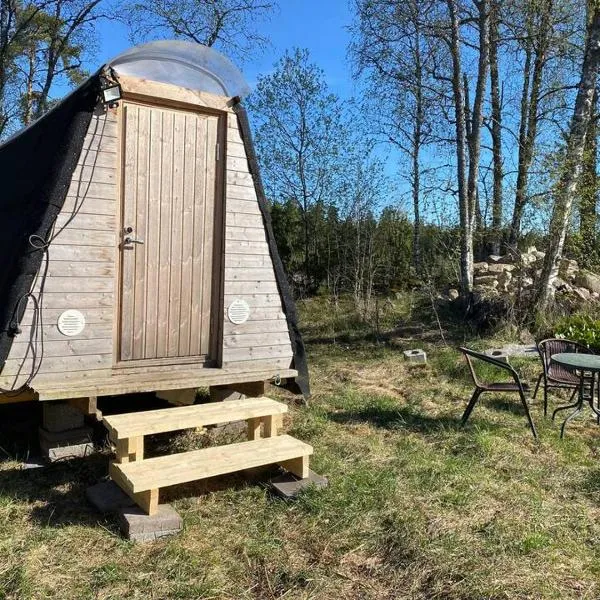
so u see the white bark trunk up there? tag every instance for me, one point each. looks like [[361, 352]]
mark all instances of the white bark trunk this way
[[571, 169]]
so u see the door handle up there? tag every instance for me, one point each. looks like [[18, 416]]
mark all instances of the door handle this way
[[130, 240]]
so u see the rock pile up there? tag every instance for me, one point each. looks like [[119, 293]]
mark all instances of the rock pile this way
[[512, 274]]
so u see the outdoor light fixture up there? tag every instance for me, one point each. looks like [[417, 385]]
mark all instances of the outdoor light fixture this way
[[110, 88], [111, 94]]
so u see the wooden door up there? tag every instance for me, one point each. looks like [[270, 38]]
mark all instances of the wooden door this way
[[169, 176]]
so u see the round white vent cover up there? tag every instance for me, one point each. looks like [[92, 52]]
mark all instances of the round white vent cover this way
[[71, 322], [238, 312]]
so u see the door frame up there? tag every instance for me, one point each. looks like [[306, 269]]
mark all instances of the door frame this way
[[170, 98]]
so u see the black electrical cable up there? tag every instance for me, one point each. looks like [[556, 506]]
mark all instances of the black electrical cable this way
[[36, 330]]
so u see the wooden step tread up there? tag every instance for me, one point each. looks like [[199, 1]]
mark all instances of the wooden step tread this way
[[185, 417], [153, 473]]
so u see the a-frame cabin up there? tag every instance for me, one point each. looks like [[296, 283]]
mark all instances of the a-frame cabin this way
[[138, 248]]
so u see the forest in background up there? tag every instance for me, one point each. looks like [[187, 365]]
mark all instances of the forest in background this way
[[473, 130]]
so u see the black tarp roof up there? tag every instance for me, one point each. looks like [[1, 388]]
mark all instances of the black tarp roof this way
[[36, 166]]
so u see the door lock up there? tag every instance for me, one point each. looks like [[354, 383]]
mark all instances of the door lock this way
[[128, 238]]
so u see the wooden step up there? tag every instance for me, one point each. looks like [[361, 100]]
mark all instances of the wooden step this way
[[130, 425], [142, 479]]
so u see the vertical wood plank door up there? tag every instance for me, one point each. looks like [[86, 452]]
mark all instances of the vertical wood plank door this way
[[169, 181]]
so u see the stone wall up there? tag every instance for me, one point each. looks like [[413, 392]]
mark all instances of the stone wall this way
[[511, 274]]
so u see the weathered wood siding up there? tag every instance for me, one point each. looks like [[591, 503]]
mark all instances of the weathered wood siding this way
[[81, 270], [82, 273], [263, 340]]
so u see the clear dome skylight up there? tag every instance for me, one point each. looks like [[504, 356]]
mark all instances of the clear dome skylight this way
[[185, 64]]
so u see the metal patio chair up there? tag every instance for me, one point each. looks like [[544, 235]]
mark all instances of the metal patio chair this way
[[516, 386], [553, 375]]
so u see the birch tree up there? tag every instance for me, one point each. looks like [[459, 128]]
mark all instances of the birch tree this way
[[393, 48], [566, 188], [496, 125]]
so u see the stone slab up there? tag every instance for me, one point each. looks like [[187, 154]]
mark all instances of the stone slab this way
[[137, 526], [67, 452], [107, 497], [288, 486]]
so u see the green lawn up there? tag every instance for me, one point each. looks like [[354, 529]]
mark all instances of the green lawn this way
[[416, 507]]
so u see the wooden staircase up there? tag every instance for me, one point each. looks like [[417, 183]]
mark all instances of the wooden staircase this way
[[142, 478]]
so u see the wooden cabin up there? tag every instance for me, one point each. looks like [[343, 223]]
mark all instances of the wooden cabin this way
[[160, 273], [139, 257]]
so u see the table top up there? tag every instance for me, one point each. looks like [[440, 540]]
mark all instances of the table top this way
[[577, 360]]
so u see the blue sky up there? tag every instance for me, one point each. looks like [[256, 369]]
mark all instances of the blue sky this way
[[319, 25]]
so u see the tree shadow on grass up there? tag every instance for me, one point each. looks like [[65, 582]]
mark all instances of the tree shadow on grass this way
[[512, 406], [55, 493], [402, 418]]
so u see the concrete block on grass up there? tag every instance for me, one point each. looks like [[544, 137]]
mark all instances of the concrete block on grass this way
[[498, 354], [416, 356], [288, 486], [107, 497], [137, 526]]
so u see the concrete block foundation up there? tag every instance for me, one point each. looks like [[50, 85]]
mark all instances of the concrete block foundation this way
[[61, 416], [140, 527], [63, 445]]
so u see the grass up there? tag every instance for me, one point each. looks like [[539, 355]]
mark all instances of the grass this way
[[416, 507]]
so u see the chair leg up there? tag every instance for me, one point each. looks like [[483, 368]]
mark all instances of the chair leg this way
[[471, 405], [545, 398], [537, 385], [528, 415]]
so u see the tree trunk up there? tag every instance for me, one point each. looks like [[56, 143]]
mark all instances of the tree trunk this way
[[416, 151], [496, 237], [588, 194], [571, 168], [466, 229], [529, 114], [474, 131]]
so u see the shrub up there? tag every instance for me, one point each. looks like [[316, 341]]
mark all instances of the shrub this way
[[580, 328]]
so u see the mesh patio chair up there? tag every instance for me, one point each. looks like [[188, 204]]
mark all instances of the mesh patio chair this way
[[555, 376], [516, 385]]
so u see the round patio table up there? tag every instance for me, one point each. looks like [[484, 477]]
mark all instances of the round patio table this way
[[587, 366]]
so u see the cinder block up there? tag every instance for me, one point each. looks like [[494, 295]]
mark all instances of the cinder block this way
[[140, 527], [288, 486], [107, 497], [416, 356], [498, 354], [61, 445], [60, 416]]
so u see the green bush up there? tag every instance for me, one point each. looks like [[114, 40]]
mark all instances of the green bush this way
[[580, 328]]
